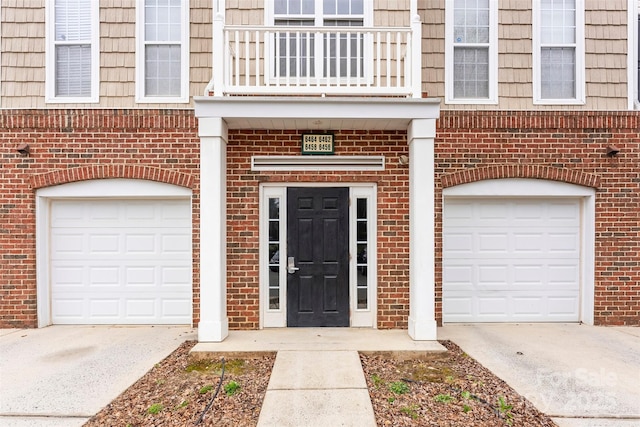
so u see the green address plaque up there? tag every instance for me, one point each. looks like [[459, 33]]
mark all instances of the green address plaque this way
[[317, 143]]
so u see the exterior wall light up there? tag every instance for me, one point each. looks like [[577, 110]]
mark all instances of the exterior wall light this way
[[23, 150], [612, 150]]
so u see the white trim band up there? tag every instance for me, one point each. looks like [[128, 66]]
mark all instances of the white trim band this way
[[317, 163]]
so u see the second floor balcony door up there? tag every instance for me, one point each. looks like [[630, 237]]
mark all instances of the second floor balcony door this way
[[322, 55]]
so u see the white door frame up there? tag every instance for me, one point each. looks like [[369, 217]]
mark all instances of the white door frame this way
[[539, 188], [91, 189], [277, 318]]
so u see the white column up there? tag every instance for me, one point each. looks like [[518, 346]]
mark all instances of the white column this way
[[416, 54], [422, 319], [219, 56], [214, 324]]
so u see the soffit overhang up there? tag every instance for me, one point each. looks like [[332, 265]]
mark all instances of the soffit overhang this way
[[317, 113]]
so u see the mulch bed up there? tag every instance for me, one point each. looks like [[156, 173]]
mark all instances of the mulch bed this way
[[178, 389], [449, 389]]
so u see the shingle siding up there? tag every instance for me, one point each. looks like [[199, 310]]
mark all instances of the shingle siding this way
[[23, 58], [23, 47], [23, 54], [605, 56]]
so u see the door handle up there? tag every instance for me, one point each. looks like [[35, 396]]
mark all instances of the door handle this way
[[291, 265]]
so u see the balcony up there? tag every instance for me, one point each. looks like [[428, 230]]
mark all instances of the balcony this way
[[316, 61]]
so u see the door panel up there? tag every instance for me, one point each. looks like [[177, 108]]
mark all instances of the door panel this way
[[318, 240]]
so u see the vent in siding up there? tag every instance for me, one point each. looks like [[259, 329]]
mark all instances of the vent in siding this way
[[317, 163]]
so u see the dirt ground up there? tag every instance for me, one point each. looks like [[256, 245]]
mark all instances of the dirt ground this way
[[449, 389]]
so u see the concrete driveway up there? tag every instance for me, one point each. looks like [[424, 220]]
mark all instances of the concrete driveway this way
[[63, 375], [579, 375]]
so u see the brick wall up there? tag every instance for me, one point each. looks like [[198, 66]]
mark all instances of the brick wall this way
[[563, 146], [242, 209], [72, 145]]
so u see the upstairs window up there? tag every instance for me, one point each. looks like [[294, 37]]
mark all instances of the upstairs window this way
[[558, 53], [72, 73], [471, 51], [304, 54], [162, 56]]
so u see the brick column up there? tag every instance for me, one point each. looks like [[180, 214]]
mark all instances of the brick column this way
[[422, 319], [214, 324]]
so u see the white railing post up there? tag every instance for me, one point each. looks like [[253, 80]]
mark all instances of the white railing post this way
[[387, 60], [219, 55], [416, 57]]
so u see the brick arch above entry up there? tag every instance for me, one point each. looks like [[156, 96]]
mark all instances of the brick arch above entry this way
[[64, 176], [570, 176]]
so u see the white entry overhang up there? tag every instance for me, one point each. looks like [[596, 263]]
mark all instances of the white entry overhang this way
[[216, 115], [317, 113]]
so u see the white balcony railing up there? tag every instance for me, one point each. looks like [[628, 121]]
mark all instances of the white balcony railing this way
[[316, 61]]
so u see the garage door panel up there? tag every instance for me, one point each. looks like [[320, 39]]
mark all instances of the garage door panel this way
[[494, 242], [68, 310], [104, 276], [564, 276], [67, 243], [459, 306], [140, 276], [122, 261], [511, 260], [174, 243], [141, 308], [140, 243], [528, 276], [529, 308], [461, 243], [174, 308], [493, 306], [104, 308], [492, 277], [528, 243], [563, 306], [491, 242], [566, 243]]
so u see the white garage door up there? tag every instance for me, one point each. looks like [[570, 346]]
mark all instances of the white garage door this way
[[511, 260], [120, 261]]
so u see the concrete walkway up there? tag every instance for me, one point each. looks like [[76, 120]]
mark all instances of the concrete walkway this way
[[317, 378], [60, 376], [317, 388], [581, 376], [322, 339]]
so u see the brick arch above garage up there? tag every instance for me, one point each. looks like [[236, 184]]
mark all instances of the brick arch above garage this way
[[504, 171], [64, 176]]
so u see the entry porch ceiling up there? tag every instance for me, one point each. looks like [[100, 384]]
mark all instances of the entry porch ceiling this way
[[317, 113]]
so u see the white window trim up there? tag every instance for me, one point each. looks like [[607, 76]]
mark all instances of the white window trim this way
[[367, 76], [363, 318], [0, 56], [277, 318], [493, 57], [140, 58], [580, 98], [50, 58], [269, 17], [633, 11], [269, 317]]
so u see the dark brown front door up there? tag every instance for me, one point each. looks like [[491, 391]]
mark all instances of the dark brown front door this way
[[318, 246]]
